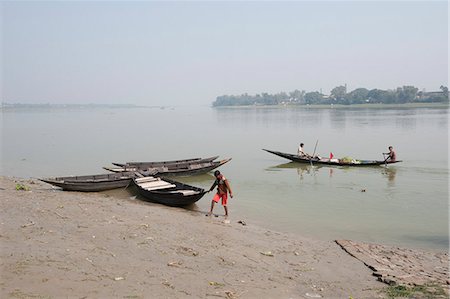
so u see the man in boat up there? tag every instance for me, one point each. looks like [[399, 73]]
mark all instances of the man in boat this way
[[223, 188], [392, 156], [301, 153]]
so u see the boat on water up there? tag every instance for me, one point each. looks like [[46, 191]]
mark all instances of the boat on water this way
[[177, 169], [92, 183], [163, 163], [167, 192], [336, 162]]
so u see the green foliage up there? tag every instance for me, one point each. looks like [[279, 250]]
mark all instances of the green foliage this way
[[426, 291], [22, 187], [313, 97], [399, 291], [338, 96], [444, 90], [339, 92], [358, 96]]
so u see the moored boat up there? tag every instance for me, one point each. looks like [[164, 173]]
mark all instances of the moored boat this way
[[167, 192], [143, 165], [92, 183], [180, 169], [336, 162]]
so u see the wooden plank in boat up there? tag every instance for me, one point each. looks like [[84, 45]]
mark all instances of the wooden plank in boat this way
[[153, 184], [147, 179], [166, 186], [185, 192]]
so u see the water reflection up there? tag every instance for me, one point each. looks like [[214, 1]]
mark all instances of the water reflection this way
[[304, 170], [405, 119], [269, 117], [390, 173]]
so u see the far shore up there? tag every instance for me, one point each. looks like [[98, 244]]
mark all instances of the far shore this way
[[58, 244], [365, 106]]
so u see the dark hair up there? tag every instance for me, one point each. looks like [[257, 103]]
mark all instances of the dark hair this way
[[301, 144], [216, 173]]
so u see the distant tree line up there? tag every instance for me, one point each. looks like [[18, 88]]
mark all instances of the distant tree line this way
[[338, 95]]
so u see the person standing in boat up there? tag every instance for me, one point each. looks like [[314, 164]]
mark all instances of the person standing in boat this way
[[223, 188], [392, 156]]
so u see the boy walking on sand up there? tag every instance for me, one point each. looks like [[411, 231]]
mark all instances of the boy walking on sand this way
[[223, 188]]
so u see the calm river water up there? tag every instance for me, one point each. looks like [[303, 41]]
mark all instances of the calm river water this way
[[405, 204]]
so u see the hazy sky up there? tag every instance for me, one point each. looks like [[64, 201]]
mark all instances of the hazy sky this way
[[177, 53]]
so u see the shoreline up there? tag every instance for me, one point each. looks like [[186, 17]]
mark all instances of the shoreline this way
[[96, 245], [340, 106]]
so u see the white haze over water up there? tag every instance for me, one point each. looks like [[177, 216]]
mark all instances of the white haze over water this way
[[188, 53]]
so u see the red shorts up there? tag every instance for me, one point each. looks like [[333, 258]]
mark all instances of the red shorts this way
[[223, 196]]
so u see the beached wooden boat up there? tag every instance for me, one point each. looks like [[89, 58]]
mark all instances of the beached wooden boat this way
[[180, 169], [92, 183], [336, 162], [144, 165], [167, 192]]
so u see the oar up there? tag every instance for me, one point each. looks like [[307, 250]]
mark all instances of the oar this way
[[385, 159], [315, 147]]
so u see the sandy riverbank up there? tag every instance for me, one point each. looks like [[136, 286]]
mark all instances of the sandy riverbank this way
[[56, 244]]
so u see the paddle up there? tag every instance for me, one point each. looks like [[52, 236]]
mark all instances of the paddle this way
[[385, 159], [315, 147]]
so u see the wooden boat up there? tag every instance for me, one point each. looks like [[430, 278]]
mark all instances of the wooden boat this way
[[336, 162], [167, 192], [181, 169], [92, 183], [164, 163]]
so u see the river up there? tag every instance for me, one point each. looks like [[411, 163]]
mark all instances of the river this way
[[405, 204]]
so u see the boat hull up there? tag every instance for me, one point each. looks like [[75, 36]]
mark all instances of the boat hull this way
[[299, 159], [187, 169], [92, 183], [171, 196], [164, 163]]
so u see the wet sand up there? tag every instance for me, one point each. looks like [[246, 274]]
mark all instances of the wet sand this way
[[56, 244]]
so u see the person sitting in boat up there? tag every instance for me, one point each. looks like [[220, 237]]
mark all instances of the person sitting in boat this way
[[301, 153], [392, 156]]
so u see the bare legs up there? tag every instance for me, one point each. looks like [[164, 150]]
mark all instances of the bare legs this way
[[226, 211], [212, 208]]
